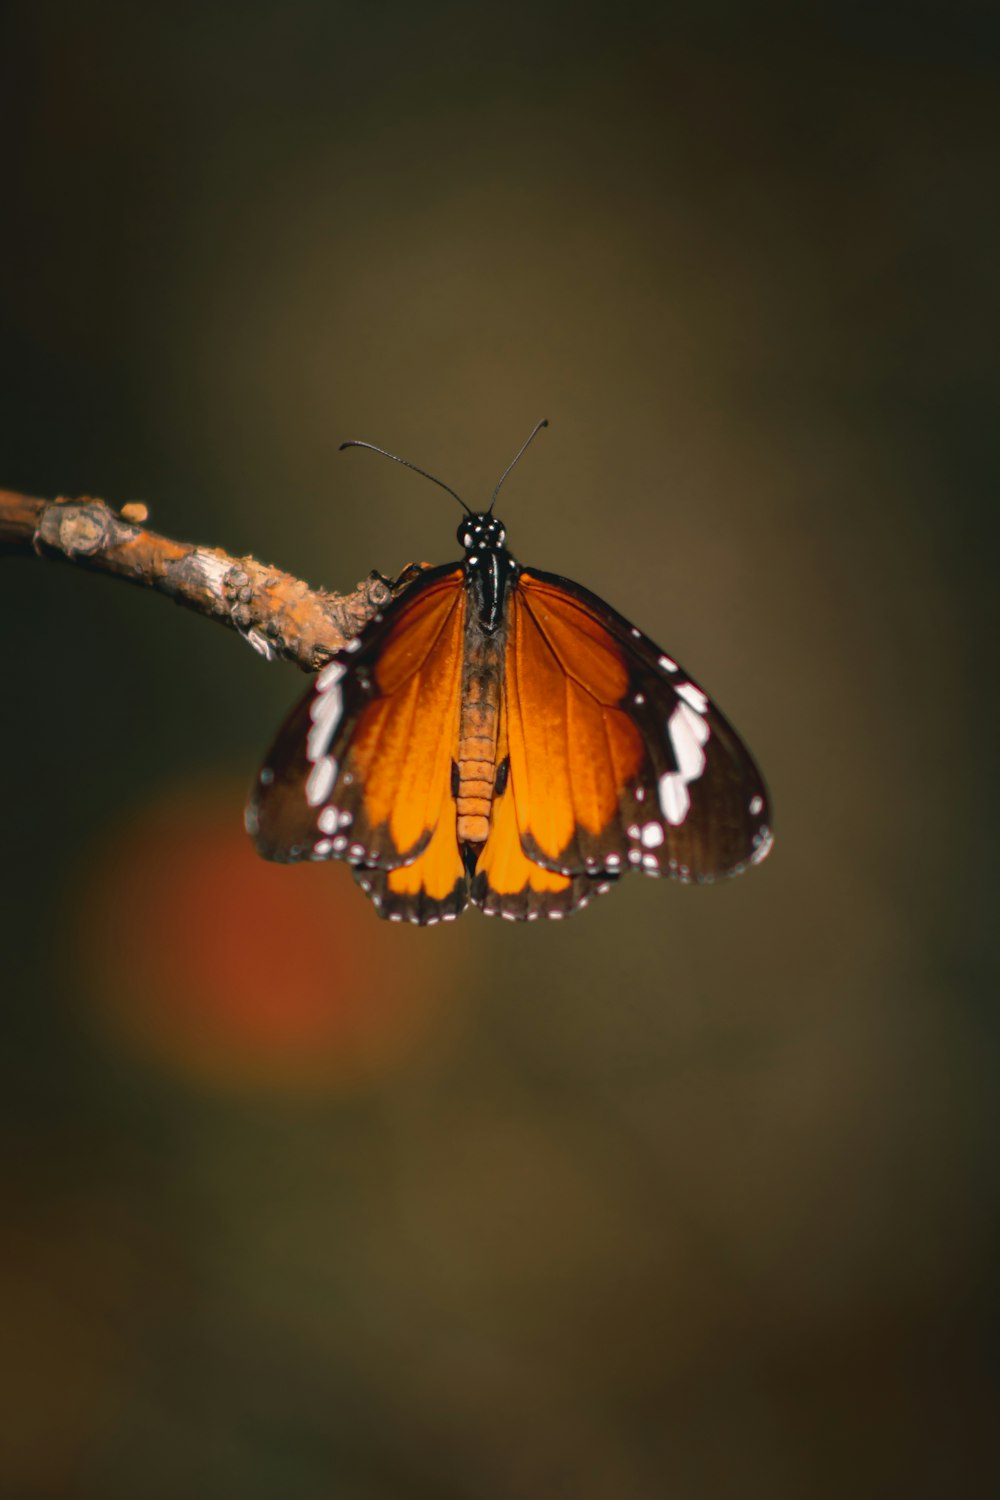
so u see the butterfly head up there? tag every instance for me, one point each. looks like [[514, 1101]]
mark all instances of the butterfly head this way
[[480, 532]]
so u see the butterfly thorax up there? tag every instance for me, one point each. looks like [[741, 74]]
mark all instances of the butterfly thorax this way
[[489, 567], [489, 572]]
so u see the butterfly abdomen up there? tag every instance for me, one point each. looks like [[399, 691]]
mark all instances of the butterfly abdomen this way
[[479, 729]]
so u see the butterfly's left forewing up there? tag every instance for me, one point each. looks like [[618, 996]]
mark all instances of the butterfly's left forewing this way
[[361, 770]]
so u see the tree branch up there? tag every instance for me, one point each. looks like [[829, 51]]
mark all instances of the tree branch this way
[[280, 616]]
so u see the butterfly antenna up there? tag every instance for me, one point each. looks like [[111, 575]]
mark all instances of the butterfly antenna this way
[[533, 434], [354, 443]]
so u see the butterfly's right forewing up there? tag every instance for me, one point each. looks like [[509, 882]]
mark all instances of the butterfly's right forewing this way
[[619, 760]]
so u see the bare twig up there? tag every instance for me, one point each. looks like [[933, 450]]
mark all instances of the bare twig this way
[[280, 616]]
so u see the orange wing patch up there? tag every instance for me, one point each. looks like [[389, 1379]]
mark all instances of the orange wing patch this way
[[394, 755], [361, 771], [400, 760], [437, 871], [573, 750], [507, 883]]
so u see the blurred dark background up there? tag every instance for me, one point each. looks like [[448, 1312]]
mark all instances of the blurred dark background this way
[[695, 1195]]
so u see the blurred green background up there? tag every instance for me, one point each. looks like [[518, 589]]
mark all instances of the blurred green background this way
[[695, 1195]]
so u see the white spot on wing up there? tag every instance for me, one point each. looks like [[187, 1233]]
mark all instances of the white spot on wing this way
[[689, 732], [765, 842], [331, 673], [688, 753], [697, 725], [756, 805], [321, 779], [327, 705], [325, 711], [651, 836], [668, 664], [674, 798], [694, 696], [329, 820]]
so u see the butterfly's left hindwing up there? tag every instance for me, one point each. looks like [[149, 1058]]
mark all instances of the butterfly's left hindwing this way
[[362, 768]]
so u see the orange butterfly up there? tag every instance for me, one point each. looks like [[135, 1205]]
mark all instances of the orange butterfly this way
[[500, 736]]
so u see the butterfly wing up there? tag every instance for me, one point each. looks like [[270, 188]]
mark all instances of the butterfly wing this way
[[506, 882], [362, 768], [617, 759]]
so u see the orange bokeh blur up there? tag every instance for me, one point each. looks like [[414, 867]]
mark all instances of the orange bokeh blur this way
[[240, 972]]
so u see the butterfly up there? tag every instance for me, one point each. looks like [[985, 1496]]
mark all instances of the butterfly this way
[[500, 737]]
